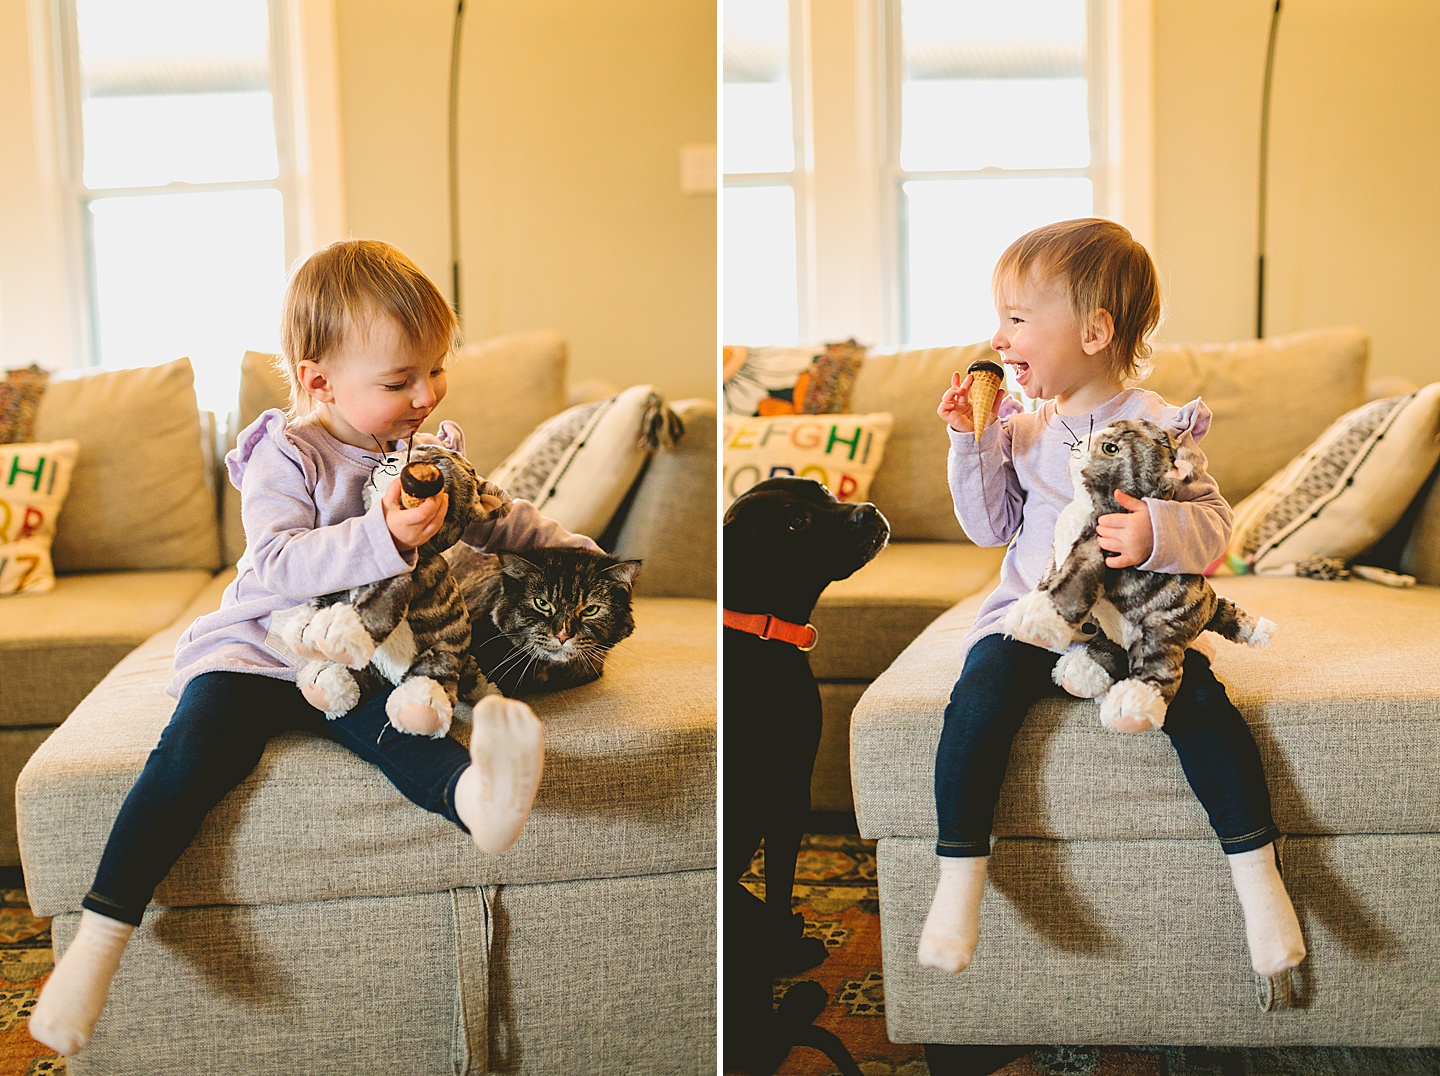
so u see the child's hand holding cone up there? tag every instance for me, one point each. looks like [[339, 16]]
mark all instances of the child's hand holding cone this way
[[969, 405]]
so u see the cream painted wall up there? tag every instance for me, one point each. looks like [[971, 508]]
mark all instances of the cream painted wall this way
[[1354, 221], [573, 114]]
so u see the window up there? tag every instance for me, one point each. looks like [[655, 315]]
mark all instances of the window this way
[[174, 167], [762, 183], [993, 139], [910, 142]]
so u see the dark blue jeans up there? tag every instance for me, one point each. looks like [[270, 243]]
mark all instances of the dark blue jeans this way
[[1003, 677], [213, 742]]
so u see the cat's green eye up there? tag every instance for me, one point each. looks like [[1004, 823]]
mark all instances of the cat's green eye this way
[[544, 606], [1109, 448], [590, 610]]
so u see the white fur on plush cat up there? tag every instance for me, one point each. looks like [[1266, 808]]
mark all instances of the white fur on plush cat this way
[[420, 706], [1133, 706], [1081, 675], [1034, 619]]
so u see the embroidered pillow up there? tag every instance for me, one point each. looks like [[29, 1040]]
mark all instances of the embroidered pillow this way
[[34, 479], [791, 380], [842, 452], [20, 393], [1343, 493], [577, 466]]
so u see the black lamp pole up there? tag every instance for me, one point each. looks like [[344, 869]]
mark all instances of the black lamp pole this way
[[1264, 170], [455, 157]]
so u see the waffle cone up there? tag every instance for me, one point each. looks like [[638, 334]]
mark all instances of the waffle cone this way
[[984, 389]]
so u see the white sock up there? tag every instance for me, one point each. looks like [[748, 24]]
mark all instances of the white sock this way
[[1271, 929], [507, 751], [952, 929], [74, 996]]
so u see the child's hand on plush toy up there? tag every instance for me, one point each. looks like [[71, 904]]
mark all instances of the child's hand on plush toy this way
[[413, 527], [1129, 534]]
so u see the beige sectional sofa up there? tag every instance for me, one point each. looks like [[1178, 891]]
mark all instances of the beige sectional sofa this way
[[1110, 917], [321, 923]]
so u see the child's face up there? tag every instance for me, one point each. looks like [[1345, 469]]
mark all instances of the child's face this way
[[1041, 337], [377, 387]]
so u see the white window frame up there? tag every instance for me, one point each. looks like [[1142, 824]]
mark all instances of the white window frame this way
[[304, 73], [854, 257]]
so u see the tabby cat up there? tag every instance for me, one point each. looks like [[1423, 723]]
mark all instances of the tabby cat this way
[[1145, 619], [547, 618]]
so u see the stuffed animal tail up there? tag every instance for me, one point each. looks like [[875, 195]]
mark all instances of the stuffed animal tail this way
[[1233, 623]]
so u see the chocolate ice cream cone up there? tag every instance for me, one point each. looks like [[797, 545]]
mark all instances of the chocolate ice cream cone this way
[[419, 481], [986, 380]]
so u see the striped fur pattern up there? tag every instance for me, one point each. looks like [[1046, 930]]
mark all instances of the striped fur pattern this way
[[547, 619], [411, 630], [1145, 620]]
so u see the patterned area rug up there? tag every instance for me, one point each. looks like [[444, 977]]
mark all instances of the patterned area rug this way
[[835, 890], [25, 961]]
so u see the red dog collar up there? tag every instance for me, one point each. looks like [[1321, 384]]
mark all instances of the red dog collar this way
[[803, 636]]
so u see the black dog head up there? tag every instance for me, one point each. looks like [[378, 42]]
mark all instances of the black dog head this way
[[786, 539]]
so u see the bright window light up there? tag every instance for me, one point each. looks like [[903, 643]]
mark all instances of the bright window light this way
[[761, 298], [956, 231]]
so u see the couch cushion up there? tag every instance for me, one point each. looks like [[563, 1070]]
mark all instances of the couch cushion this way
[[629, 788], [1345, 707], [1254, 432], [140, 496], [1421, 555], [69, 638], [865, 621], [910, 486], [670, 524]]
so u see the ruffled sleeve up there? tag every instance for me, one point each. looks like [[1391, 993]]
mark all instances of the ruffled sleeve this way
[[270, 425], [1193, 418]]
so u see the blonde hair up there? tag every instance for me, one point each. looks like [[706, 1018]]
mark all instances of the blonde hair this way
[[1102, 267], [343, 287]]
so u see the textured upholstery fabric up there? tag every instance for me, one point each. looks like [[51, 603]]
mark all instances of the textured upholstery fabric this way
[[867, 620], [16, 747], [670, 522], [500, 389], [514, 979], [139, 497], [1421, 555], [1253, 435], [1132, 942], [910, 485], [1349, 730], [629, 787], [69, 638]]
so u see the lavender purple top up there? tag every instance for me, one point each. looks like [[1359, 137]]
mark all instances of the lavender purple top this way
[[307, 533], [1012, 485]]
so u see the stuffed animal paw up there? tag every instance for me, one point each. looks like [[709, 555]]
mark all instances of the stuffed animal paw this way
[[1133, 706], [421, 707], [1081, 675], [337, 634], [329, 687], [1033, 619]]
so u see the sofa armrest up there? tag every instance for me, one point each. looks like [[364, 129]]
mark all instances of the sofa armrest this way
[[671, 520]]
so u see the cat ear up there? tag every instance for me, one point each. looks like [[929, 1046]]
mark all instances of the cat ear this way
[[625, 571], [515, 566]]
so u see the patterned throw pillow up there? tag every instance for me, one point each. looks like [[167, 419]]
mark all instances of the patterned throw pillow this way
[[34, 479], [841, 452], [20, 393], [577, 466], [1343, 493], [791, 380]]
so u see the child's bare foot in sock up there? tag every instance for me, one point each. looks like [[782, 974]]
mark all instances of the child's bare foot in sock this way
[[1271, 929], [952, 929], [74, 996], [507, 750]]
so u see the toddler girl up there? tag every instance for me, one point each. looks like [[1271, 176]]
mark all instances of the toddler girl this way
[[365, 336], [1076, 301]]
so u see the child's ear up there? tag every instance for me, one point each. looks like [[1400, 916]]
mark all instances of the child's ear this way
[[1097, 332], [313, 380]]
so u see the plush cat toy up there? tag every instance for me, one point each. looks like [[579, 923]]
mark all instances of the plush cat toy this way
[[1146, 619], [412, 629]]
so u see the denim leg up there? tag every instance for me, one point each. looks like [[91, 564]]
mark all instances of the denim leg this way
[[1001, 679], [1220, 759], [212, 743], [424, 770]]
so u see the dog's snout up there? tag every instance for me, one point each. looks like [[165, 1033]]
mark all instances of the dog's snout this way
[[864, 515]]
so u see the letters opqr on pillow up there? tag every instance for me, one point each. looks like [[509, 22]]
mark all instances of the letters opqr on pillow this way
[[842, 452], [34, 479], [577, 466], [1343, 493]]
